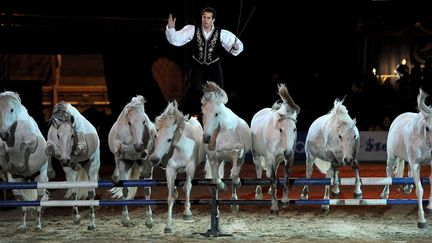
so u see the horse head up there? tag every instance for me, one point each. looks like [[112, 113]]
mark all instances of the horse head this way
[[286, 119], [170, 125], [346, 132], [63, 122], [213, 105], [10, 108], [136, 121], [426, 120]]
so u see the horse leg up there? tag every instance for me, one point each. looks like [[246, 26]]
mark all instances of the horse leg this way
[[335, 188], [124, 172], [72, 193], [415, 168], [408, 188], [215, 171], [190, 172], [287, 174], [358, 194], [235, 171], [259, 170], [326, 208], [273, 185], [170, 177], [149, 213], [20, 197], [309, 170], [42, 194], [389, 170], [117, 151], [429, 206], [93, 176]]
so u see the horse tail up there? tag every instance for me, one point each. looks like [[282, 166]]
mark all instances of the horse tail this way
[[82, 192], [117, 192], [322, 165]]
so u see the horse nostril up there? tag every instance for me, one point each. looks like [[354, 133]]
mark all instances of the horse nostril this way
[[4, 135], [138, 146], [287, 154], [206, 138], [154, 160]]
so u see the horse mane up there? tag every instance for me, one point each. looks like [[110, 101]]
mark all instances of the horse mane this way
[[60, 114], [340, 112], [421, 105], [16, 100], [170, 113], [212, 91], [286, 98], [136, 102]]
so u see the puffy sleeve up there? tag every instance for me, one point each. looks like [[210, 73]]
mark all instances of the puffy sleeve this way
[[228, 39], [181, 37]]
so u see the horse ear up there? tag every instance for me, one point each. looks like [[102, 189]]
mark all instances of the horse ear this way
[[355, 121]]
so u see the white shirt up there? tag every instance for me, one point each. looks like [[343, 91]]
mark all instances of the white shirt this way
[[183, 36]]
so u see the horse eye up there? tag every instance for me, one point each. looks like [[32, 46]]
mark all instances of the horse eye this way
[[216, 114], [355, 136], [169, 140], [340, 137], [295, 129], [72, 136], [58, 137], [129, 123], [280, 129], [12, 110], [143, 122], [427, 129]]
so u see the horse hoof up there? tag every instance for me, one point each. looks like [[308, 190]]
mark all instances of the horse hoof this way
[[259, 196], [115, 179], [325, 209], [422, 225], [274, 211], [335, 195], [358, 195], [126, 223], [149, 223], [187, 216], [222, 186], [51, 174], [235, 208], [77, 220], [284, 204], [304, 197], [168, 230], [384, 195], [22, 228], [91, 227], [407, 189]]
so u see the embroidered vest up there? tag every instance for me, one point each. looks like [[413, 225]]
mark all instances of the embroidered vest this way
[[206, 51]]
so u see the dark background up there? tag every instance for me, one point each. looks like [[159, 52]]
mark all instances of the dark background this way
[[318, 48]]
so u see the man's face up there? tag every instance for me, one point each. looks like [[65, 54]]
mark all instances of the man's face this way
[[207, 19]]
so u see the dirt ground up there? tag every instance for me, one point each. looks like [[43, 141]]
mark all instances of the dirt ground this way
[[251, 223]]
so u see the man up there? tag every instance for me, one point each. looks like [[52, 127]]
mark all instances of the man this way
[[207, 43]]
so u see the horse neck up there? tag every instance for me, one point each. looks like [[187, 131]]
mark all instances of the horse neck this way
[[228, 118]]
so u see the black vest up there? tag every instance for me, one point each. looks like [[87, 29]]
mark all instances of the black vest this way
[[206, 51]]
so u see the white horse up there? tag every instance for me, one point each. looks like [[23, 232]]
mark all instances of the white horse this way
[[274, 136], [74, 142], [179, 148], [333, 140], [410, 139], [131, 139], [227, 135], [22, 151]]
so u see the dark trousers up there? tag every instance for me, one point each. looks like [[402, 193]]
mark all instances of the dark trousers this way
[[199, 74]]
